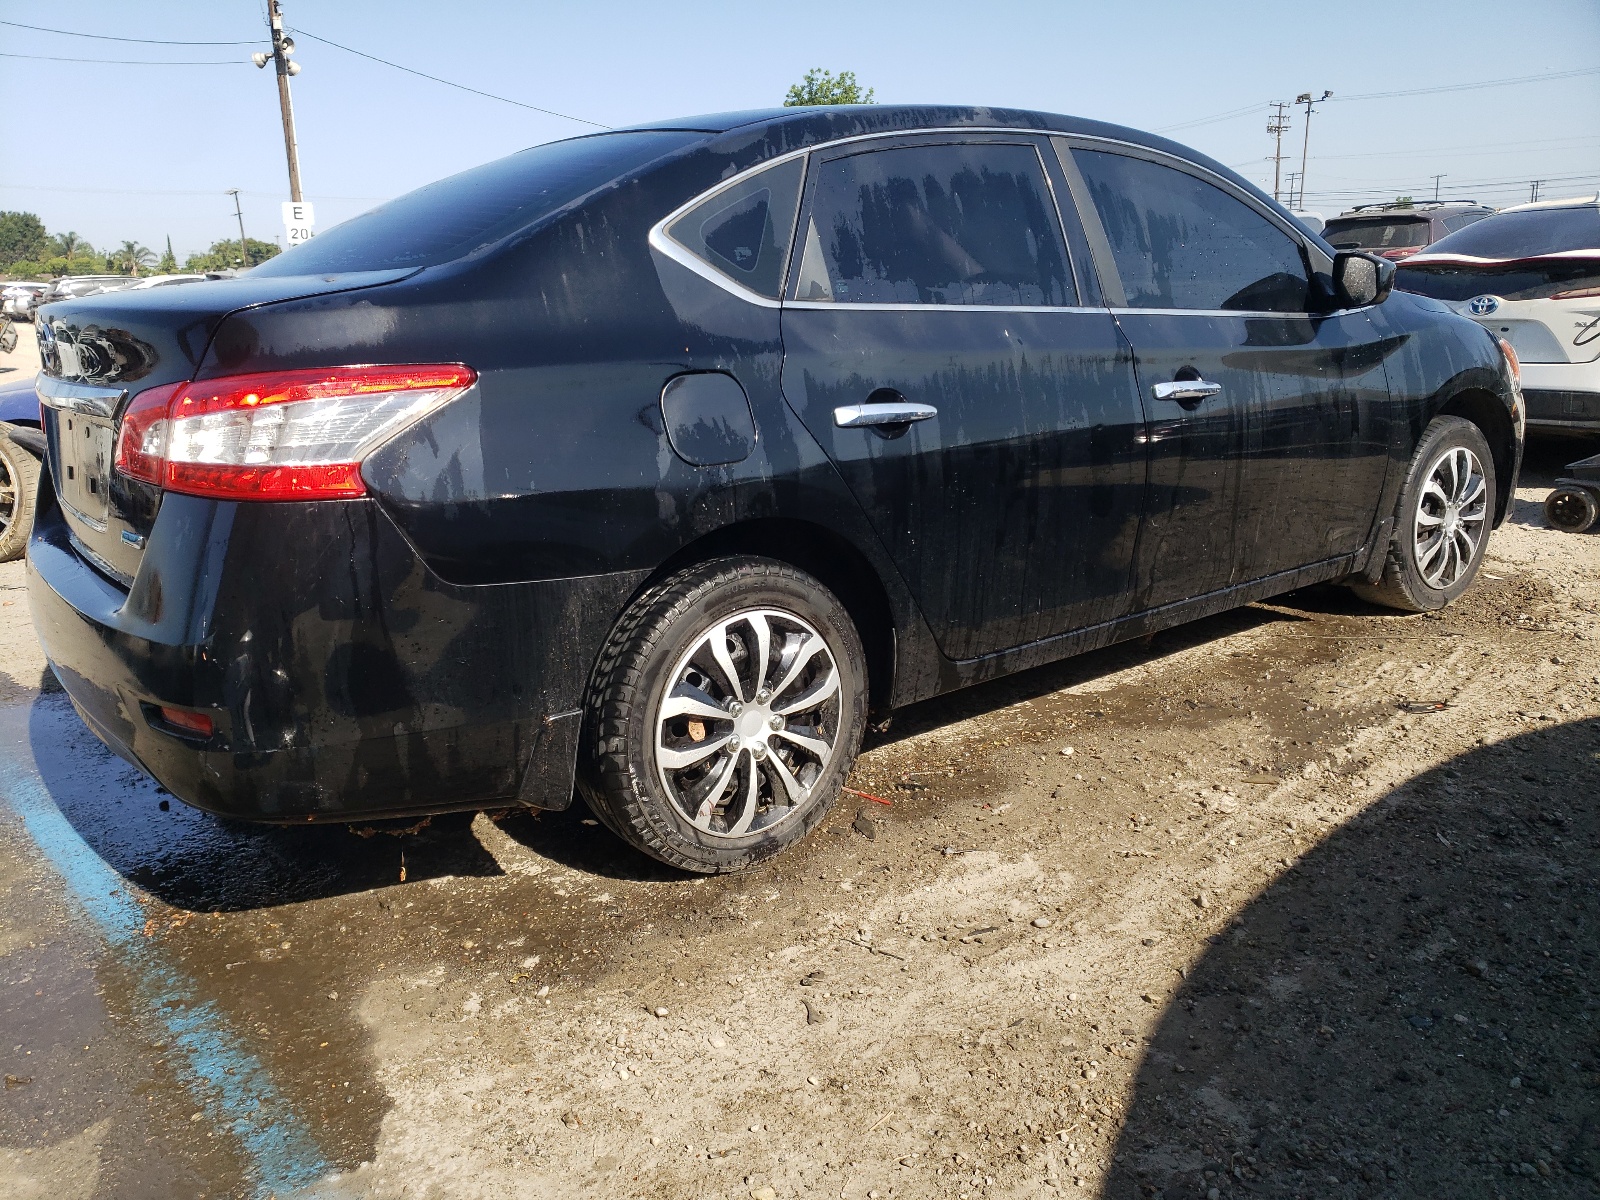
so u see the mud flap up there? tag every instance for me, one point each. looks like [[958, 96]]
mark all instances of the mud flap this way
[[547, 779], [1377, 552]]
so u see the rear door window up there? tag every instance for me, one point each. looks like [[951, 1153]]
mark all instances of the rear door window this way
[[1179, 242], [959, 224], [743, 231]]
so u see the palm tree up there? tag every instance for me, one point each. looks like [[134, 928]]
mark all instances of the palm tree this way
[[130, 256], [70, 244]]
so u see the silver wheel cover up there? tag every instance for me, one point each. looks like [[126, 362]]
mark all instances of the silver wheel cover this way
[[1452, 518], [748, 722]]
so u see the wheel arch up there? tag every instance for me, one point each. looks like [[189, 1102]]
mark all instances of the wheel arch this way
[[1488, 412], [833, 560]]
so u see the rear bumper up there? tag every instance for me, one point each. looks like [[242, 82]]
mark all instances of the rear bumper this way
[[1562, 395], [344, 679]]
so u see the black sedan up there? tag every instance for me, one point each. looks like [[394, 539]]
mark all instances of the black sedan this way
[[655, 461]]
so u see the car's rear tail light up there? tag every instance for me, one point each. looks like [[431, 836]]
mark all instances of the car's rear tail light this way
[[284, 435], [1584, 293]]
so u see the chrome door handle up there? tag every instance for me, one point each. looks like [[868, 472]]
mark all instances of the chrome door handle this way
[[855, 416], [1186, 389]]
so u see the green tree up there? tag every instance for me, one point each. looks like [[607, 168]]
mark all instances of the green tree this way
[[22, 237], [129, 257], [1403, 201], [824, 87], [69, 245], [169, 261], [224, 255]]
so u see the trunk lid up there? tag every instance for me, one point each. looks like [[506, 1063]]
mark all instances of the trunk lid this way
[[99, 351]]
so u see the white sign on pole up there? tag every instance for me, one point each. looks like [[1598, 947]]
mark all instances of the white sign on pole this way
[[297, 221]]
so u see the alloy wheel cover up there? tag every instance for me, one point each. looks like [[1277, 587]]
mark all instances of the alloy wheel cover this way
[[748, 722]]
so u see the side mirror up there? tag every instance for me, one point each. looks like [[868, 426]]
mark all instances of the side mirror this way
[[1361, 279]]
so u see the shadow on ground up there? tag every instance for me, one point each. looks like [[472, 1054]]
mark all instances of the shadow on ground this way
[[1408, 1012]]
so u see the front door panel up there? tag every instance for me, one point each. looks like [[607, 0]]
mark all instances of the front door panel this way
[[1283, 468]]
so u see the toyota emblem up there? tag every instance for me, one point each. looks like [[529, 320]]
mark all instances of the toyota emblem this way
[[1482, 306]]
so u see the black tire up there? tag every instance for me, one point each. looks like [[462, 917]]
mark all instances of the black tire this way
[[655, 649], [1409, 584], [19, 488], [1571, 510]]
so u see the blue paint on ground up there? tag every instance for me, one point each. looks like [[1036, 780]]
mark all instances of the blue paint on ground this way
[[228, 1081]]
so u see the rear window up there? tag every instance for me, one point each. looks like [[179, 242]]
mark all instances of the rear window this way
[[1376, 233], [455, 216], [1525, 234]]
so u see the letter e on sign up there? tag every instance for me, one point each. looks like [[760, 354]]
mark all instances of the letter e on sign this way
[[297, 222]]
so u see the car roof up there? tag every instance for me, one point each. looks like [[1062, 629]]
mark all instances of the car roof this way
[[1421, 208], [803, 125], [1570, 202]]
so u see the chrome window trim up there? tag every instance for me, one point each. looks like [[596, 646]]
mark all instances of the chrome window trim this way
[[887, 306], [90, 399], [660, 242]]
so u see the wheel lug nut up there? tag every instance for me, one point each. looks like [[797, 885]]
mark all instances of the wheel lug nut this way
[[775, 722], [758, 751], [733, 742], [763, 696], [735, 708]]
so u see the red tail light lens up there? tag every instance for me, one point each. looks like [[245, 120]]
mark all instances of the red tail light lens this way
[[289, 435]]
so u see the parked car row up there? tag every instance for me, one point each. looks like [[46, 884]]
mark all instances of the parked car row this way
[[21, 300]]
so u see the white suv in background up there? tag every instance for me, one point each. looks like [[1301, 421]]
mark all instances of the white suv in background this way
[[1530, 274]]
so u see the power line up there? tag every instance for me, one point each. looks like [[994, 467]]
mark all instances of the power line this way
[[132, 62], [549, 112], [1232, 114], [1482, 83], [106, 37]]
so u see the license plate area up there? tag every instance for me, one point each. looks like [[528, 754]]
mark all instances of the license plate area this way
[[85, 454]]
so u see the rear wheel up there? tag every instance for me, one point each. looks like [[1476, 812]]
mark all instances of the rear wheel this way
[[19, 485], [1571, 509], [725, 713], [1442, 520]]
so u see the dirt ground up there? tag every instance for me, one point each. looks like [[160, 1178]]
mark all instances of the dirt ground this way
[[1297, 901]]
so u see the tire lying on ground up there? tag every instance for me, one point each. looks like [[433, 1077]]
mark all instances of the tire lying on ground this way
[[724, 714], [19, 483], [1441, 521]]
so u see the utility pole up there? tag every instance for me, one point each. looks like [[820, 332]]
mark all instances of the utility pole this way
[[282, 48], [1305, 146], [1293, 175], [244, 246], [1436, 179], [1277, 123], [1533, 191]]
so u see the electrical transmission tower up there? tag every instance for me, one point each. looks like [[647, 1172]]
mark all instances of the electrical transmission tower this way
[[1277, 124]]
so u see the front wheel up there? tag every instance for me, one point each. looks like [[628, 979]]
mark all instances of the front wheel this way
[[1442, 520], [725, 713]]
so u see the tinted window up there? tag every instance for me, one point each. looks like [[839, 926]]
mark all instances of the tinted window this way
[[456, 216], [744, 231], [1179, 242], [955, 224], [1375, 233], [1462, 220], [1527, 233]]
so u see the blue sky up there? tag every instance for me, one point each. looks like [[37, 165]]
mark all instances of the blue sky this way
[[144, 152]]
